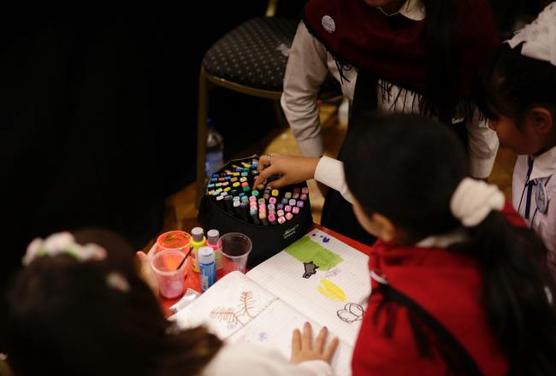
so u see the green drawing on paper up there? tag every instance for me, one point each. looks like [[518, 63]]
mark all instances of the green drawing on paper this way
[[306, 250]]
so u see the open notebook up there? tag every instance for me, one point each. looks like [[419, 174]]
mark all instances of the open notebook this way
[[318, 279]]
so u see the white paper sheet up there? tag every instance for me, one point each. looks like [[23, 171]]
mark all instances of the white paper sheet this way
[[334, 296]]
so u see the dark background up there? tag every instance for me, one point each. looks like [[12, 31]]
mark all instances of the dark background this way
[[98, 112]]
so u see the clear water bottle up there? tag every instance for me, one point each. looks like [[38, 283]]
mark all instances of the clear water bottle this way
[[215, 150]]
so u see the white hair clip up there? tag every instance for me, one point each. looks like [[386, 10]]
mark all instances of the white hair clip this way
[[539, 37], [62, 243], [473, 200]]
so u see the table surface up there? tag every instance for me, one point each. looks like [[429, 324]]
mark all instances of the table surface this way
[[192, 278]]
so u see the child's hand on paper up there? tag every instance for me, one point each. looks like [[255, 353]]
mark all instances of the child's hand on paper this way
[[291, 169], [146, 272], [304, 348]]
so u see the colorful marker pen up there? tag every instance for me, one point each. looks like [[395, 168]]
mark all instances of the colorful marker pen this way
[[262, 218], [254, 215]]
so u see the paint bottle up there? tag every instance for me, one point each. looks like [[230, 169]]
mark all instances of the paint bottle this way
[[198, 240], [213, 241], [207, 267]]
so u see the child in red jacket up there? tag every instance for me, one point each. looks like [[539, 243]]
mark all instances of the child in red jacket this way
[[456, 288]]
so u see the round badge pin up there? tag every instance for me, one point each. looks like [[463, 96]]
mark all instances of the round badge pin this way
[[541, 199], [328, 24]]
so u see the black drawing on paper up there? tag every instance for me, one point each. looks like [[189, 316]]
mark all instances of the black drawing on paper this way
[[351, 313], [310, 269], [240, 315]]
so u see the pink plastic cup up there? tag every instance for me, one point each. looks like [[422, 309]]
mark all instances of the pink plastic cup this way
[[170, 272]]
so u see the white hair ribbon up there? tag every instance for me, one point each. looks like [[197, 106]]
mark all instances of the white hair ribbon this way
[[473, 200], [62, 243], [539, 37]]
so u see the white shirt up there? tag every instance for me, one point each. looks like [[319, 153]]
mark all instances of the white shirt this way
[[543, 174], [308, 65], [243, 359]]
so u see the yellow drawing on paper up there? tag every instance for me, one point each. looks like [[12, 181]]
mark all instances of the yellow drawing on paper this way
[[331, 291]]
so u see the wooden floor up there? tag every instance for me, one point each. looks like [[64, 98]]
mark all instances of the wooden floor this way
[[181, 212]]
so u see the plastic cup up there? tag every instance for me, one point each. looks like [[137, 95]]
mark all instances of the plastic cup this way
[[176, 240], [170, 272], [235, 250]]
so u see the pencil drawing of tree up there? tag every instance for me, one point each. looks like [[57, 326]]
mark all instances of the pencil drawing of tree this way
[[246, 303], [226, 315], [233, 316]]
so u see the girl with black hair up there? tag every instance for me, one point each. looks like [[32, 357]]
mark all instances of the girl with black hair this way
[[82, 307], [519, 98], [417, 56], [456, 288]]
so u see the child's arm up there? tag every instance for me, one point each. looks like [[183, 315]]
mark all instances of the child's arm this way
[[305, 73], [483, 146], [309, 357], [295, 169], [330, 172]]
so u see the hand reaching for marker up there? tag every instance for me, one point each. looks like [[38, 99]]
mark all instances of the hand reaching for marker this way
[[290, 169]]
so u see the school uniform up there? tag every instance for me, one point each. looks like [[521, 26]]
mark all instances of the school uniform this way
[[330, 172], [308, 65], [446, 286], [534, 195], [246, 359], [329, 42]]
